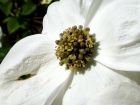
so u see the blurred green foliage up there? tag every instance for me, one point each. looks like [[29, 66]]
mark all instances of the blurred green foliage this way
[[18, 19]]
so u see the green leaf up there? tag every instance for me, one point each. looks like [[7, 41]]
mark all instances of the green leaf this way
[[28, 8], [26, 33], [5, 1], [3, 52], [23, 25], [12, 24], [6, 8], [27, 1]]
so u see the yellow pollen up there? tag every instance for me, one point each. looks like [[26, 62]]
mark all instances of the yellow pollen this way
[[76, 48]]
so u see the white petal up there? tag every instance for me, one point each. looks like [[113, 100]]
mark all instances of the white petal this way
[[117, 30], [96, 6], [92, 82], [120, 94], [64, 14], [135, 76], [32, 55], [26, 57], [41, 89]]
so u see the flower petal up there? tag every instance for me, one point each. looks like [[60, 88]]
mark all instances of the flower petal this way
[[96, 6], [64, 14], [117, 30], [91, 83], [122, 94], [41, 89], [32, 55], [26, 57]]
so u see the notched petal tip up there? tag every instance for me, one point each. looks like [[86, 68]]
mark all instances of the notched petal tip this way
[[26, 57], [24, 77]]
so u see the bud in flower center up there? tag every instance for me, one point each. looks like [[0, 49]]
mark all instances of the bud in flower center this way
[[76, 47]]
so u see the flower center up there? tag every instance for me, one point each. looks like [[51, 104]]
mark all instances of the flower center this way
[[76, 47]]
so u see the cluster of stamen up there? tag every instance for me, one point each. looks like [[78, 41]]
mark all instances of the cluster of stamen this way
[[76, 47]]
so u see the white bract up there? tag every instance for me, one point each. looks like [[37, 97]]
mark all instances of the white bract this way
[[122, 94], [114, 80]]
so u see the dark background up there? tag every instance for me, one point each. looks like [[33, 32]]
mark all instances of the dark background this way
[[18, 19]]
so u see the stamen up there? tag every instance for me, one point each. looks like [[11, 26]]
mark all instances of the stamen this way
[[76, 47]]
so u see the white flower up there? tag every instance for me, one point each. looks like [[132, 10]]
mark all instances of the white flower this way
[[116, 24], [122, 94]]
